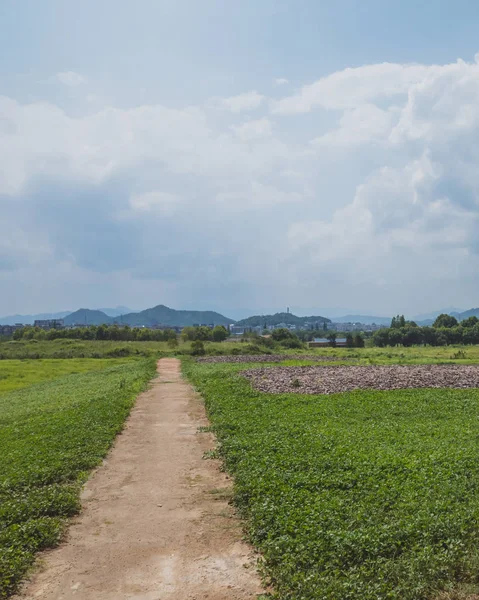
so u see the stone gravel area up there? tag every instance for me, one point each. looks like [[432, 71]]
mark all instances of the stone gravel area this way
[[333, 379], [266, 358]]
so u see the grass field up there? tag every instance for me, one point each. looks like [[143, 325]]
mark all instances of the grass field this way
[[62, 348], [34, 349], [16, 374], [362, 495], [52, 434]]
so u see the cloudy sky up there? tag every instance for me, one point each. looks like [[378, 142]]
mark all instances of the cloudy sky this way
[[239, 155]]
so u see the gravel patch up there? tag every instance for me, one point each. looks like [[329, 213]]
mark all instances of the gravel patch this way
[[333, 379], [265, 358]]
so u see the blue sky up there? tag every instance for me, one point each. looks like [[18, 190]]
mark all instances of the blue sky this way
[[239, 155]]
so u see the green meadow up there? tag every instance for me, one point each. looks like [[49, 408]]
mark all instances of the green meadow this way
[[364, 495], [57, 421]]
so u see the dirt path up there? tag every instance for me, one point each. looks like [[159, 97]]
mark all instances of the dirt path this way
[[156, 523]]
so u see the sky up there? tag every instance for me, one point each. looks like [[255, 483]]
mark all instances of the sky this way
[[239, 156]]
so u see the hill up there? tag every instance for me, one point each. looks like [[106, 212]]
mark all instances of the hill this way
[[460, 316], [85, 316], [117, 311], [162, 315], [276, 319], [29, 319]]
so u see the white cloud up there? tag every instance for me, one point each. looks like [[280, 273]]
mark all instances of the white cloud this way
[[241, 103], [70, 78], [281, 81], [258, 195], [351, 87], [158, 202], [359, 125], [252, 130], [372, 193]]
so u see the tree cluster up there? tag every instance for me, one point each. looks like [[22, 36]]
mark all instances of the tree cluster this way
[[465, 333], [204, 334], [100, 332]]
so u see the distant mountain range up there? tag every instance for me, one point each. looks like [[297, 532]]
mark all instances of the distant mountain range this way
[[431, 316], [163, 315], [29, 319], [272, 320], [460, 316], [158, 315]]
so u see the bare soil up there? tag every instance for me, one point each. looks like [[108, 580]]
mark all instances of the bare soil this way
[[156, 523], [266, 358], [332, 379]]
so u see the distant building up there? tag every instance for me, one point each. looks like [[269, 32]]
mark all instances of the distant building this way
[[354, 327], [9, 330], [49, 323], [322, 342]]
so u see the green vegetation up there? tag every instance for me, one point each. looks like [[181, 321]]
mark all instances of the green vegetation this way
[[65, 348], [365, 495], [286, 318], [15, 374], [445, 321], [52, 434], [412, 335], [100, 333]]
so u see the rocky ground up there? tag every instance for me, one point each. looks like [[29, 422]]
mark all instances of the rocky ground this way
[[332, 379], [265, 358]]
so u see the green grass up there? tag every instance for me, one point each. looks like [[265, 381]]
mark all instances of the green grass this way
[[16, 374], [34, 349], [52, 435], [365, 495], [63, 348]]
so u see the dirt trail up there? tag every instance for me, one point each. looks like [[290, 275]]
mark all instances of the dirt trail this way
[[155, 523]]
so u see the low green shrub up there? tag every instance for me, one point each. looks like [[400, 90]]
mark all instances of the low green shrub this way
[[359, 496], [52, 434]]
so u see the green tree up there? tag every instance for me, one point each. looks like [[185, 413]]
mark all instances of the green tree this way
[[281, 334], [395, 337], [18, 333], [198, 348], [219, 333], [381, 337], [332, 339], [188, 333], [470, 321], [358, 340], [445, 321], [203, 333], [398, 321], [173, 343], [349, 340]]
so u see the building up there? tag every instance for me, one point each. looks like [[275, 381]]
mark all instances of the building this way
[[354, 327], [49, 323], [9, 330], [324, 342]]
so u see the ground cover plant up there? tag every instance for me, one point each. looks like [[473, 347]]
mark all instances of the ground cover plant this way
[[362, 495], [16, 374], [65, 348], [264, 358], [330, 380], [52, 434]]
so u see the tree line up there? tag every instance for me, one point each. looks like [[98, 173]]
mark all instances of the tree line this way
[[125, 333], [444, 331]]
